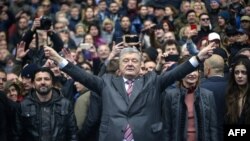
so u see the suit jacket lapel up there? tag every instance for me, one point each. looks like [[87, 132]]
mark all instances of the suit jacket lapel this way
[[118, 82], [137, 87]]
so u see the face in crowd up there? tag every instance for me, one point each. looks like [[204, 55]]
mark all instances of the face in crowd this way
[[130, 63]]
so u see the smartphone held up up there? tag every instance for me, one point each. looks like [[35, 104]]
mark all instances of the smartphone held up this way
[[131, 40]]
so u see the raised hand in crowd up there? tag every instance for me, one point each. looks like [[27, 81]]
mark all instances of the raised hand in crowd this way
[[36, 24], [20, 51], [206, 52], [48, 63], [52, 54], [116, 49], [67, 54]]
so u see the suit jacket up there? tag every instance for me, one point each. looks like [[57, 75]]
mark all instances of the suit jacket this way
[[142, 111], [218, 86]]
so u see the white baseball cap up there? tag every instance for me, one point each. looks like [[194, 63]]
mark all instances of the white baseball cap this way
[[213, 36]]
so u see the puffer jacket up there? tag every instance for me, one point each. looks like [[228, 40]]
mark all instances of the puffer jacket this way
[[175, 115], [29, 119]]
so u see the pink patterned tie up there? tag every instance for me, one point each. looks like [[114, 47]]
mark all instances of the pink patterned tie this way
[[130, 87], [128, 136]]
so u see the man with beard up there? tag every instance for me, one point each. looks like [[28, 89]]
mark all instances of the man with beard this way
[[45, 115], [3, 78]]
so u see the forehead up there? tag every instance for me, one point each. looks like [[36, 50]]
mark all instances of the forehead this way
[[170, 46], [130, 56], [12, 87], [197, 3], [42, 74], [113, 5], [22, 20], [191, 14], [89, 10], [125, 19], [102, 47], [204, 16], [240, 67], [150, 63], [2, 74]]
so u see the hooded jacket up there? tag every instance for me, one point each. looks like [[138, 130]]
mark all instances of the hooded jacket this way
[[33, 120]]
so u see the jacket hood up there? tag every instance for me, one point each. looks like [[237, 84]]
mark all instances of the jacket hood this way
[[56, 95]]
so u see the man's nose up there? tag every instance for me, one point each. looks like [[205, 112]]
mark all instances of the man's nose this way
[[130, 62], [42, 81]]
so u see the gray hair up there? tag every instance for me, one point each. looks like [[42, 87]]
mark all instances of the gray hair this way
[[129, 50]]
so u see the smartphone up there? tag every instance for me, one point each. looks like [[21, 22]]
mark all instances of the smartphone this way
[[85, 46], [87, 54], [173, 57], [131, 39], [193, 27]]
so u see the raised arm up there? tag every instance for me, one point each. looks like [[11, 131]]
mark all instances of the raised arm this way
[[182, 70], [92, 82]]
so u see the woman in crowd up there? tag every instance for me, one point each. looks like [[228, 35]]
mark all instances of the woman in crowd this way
[[189, 111], [95, 32], [238, 93], [13, 91]]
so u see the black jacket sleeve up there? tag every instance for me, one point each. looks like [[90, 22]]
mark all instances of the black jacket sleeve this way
[[27, 38], [3, 120], [57, 42]]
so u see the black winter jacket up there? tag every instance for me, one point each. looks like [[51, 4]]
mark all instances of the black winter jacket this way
[[175, 115], [29, 119]]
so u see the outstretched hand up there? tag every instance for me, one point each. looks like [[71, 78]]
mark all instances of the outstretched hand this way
[[52, 54], [68, 56], [206, 52], [20, 50]]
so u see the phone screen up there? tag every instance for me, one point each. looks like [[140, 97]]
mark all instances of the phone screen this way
[[134, 39], [174, 58], [87, 54], [193, 26], [85, 46]]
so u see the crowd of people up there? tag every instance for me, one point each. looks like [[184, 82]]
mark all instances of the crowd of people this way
[[123, 70]]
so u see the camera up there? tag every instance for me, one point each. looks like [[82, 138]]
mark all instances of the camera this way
[[46, 23]]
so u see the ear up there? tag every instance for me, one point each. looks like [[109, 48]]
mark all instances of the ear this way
[[208, 70]]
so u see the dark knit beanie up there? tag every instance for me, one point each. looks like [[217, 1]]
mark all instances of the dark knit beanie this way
[[225, 15]]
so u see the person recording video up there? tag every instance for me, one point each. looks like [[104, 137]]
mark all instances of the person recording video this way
[[35, 38]]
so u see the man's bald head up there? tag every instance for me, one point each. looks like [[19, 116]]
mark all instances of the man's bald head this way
[[214, 65]]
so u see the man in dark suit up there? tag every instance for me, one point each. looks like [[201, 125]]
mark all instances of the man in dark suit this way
[[217, 83], [130, 111]]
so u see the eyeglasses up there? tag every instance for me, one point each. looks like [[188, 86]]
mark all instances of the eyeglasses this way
[[3, 79], [45, 5], [59, 27], [205, 19], [64, 31], [245, 21]]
